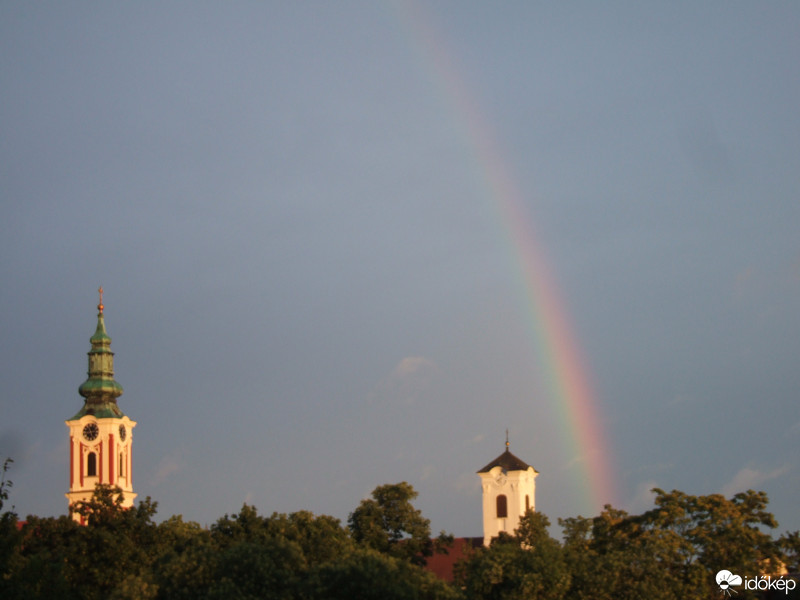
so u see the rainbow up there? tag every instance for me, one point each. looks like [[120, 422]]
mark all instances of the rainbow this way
[[568, 380]]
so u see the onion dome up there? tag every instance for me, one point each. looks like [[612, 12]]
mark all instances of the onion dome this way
[[100, 390]]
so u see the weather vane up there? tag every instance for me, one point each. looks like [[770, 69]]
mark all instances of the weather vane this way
[[507, 444], [100, 306]]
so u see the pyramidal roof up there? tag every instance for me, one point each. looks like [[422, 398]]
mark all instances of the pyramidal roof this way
[[507, 462]]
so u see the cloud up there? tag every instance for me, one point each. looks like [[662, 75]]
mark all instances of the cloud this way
[[409, 379], [749, 478], [413, 366], [168, 466]]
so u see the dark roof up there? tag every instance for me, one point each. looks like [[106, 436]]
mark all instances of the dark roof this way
[[508, 462], [443, 565]]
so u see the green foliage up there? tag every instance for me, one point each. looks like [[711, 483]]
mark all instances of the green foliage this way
[[390, 524], [320, 538], [247, 555], [44, 561], [184, 568], [789, 544], [622, 559], [109, 558], [370, 575], [528, 564], [716, 531], [671, 551], [5, 484], [9, 537], [270, 569]]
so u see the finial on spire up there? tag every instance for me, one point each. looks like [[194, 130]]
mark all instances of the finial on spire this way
[[507, 444], [100, 306]]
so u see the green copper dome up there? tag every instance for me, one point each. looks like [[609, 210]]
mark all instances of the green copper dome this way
[[100, 337], [100, 390]]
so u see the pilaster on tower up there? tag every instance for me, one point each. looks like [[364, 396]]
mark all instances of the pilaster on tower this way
[[101, 435]]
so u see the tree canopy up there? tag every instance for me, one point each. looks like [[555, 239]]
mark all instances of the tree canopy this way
[[389, 523], [672, 551]]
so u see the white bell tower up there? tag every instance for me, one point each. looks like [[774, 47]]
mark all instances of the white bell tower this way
[[509, 489]]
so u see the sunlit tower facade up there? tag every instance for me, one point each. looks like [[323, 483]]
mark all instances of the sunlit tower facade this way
[[509, 490]]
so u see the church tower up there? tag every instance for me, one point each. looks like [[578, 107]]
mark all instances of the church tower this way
[[100, 435], [509, 489]]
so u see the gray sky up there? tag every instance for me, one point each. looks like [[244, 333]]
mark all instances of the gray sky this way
[[311, 290]]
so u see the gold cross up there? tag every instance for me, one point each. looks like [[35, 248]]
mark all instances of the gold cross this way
[[100, 306]]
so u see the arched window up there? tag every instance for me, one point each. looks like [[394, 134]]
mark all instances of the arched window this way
[[91, 465], [502, 507], [527, 503]]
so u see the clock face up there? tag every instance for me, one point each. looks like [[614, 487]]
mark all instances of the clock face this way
[[90, 432], [123, 433]]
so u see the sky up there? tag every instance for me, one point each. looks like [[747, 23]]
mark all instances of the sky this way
[[345, 244]]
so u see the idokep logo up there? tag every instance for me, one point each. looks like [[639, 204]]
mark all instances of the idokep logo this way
[[726, 580]]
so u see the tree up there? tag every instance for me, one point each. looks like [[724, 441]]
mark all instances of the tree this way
[[9, 536], [271, 569], [246, 525], [320, 537], [370, 575], [110, 557], [581, 557], [528, 564], [673, 550], [390, 524], [622, 559], [790, 546], [186, 567], [43, 561], [5, 484]]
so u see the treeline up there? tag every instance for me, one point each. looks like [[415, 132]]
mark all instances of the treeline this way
[[671, 551]]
